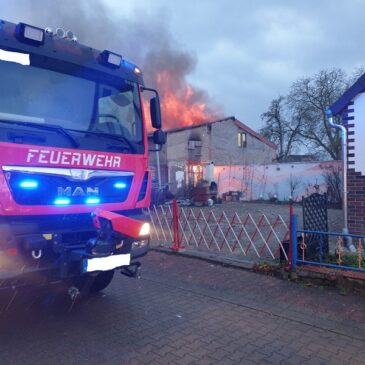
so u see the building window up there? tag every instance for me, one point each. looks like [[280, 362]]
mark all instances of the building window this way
[[242, 141]]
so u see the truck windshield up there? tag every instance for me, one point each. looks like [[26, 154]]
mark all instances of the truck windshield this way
[[38, 95]]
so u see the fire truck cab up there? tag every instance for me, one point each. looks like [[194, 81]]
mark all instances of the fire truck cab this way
[[73, 160]]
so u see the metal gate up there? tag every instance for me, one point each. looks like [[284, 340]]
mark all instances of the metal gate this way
[[247, 237]]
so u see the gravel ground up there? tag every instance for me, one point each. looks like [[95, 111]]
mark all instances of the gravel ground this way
[[273, 210]]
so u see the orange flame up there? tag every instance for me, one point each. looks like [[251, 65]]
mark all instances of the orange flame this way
[[181, 104]]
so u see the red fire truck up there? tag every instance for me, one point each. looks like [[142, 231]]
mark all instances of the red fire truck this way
[[73, 160]]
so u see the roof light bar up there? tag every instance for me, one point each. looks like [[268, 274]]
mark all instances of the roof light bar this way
[[29, 34], [70, 35], [110, 59], [60, 33]]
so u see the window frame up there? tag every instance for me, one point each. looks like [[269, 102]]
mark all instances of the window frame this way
[[242, 142]]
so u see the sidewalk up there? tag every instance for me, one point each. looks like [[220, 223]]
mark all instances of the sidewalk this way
[[320, 307]]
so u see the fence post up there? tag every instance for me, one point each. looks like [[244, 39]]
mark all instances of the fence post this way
[[294, 241], [175, 226]]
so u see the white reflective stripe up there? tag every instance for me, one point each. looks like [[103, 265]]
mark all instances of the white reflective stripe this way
[[22, 58], [106, 263]]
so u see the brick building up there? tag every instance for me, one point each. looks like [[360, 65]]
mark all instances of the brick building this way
[[192, 153], [351, 108]]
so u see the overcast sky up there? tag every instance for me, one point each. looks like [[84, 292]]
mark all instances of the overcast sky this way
[[243, 53]]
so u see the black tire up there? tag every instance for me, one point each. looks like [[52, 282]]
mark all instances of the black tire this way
[[101, 281]]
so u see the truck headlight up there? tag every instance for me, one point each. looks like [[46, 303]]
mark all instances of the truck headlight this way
[[145, 230]]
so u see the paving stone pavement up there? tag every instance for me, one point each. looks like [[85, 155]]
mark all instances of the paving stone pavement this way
[[186, 311]]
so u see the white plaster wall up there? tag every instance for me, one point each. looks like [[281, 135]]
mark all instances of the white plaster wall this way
[[359, 136], [265, 181]]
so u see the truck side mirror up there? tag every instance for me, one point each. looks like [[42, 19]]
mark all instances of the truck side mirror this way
[[155, 111], [159, 137]]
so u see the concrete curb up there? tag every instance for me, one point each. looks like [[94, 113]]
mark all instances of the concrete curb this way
[[208, 257]]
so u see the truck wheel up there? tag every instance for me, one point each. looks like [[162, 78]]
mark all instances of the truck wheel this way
[[101, 281]]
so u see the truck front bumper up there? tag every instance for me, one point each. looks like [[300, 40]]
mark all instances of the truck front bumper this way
[[57, 256], [140, 249]]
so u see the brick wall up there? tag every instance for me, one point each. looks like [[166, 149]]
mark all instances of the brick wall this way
[[353, 119], [356, 201]]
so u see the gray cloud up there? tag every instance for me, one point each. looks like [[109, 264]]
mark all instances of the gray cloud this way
[[243, 53]]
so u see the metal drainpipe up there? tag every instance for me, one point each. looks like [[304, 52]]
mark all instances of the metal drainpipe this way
[[343, 130]]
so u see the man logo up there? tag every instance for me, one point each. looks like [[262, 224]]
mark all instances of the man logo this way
[[77, 191]]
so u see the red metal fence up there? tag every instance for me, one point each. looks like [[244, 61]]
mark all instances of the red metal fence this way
[[250, 237]]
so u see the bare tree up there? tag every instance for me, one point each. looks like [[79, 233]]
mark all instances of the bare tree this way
[[279, 130], [355, 75], [308, 100], [298, 121], [294, 183], [333, 179]]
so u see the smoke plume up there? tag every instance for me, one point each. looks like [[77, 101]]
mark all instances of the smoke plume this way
[[143, 39]]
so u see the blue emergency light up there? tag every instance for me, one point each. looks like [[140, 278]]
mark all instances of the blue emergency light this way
[[92, 200], [62, 201], [29, 184], [120, 185]]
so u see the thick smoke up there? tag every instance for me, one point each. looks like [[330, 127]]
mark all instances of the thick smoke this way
[[142, 38]]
